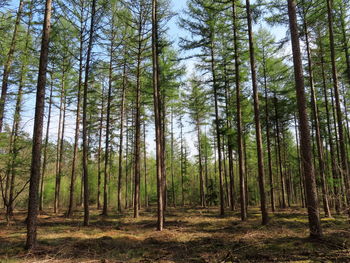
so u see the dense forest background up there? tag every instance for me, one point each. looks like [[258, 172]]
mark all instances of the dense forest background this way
[[103, 108]]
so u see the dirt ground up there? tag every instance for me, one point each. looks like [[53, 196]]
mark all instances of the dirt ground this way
[[191, 235]]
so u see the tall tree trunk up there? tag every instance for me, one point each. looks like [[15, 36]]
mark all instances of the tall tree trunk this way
[[306, 154], [224, 161], [268, 138], [343, 155], [137, 150], [342, 195], [38, 132], [145, 162], [229, 147], [77, 118], [258, 135], [42, 182], [59, 152], [8, 63], [320, 151], [239, 116], [301, 178], [126, 164], [335, 174], [283, 187], [108, 120], [172, 158], [60, 172], [121, 139], [182, 163], [163, 114], [157, 114], [200, 165], [85, 126], [14, 150], [99, 151], [217, 126]]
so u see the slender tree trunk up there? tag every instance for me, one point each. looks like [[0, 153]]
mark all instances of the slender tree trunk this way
[[77, 119], [121, 139], [206, 164], [85, 126], [137, 150], [320, 151], [217, 128], [245, 170], [343, 156], [306, 155], [127, 165], [200, 165], [14, 147], [301, 178], [38, 132], [229, 149], [224, 161], [335, 174], [157, 114], [182, 163], [108, 120], [284, 205], [172, 158], [239, 117], [58, 145], [8, 63], [284, 163], [60, 172], [163, 114], [59, 151], [145, 162], [268, 139], [342, 196], [99, 151], [258, 135], [42, 182]]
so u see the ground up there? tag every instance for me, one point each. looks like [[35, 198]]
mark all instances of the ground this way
[[191, 235]]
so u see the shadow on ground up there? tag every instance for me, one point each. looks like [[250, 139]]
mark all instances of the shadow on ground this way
[[192, 235]]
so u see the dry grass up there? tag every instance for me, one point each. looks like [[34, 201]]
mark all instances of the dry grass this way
[[191, 235]]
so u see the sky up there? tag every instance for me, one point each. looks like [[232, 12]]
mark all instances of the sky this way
[[174, 33]]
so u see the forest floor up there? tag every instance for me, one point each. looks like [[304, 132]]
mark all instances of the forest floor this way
[[191, 235]]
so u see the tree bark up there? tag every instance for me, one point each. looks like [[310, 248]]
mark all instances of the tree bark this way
[[258, 135], [38, 132], [320, 151], [306, 154], [85, 126], [283, 187], [343, 155], [77, 118], [121, 139], [200, 165], [145, 162], [217, 126], [239, 117], [268, 136], [59, 151], [157, 115], [137, 150]]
